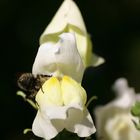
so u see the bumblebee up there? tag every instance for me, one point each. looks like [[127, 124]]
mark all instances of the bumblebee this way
[[30, 84]]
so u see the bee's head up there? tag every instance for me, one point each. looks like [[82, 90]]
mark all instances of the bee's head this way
[[26, 81]]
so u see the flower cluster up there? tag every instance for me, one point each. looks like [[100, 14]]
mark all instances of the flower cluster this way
[[64, 53]]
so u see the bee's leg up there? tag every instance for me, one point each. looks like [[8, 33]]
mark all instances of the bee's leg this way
[[38, 87], [42, 89], [32, 96]]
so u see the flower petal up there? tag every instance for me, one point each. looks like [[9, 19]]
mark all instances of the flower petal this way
[[84, 46], [61, 58], [85, 52], [80, 122], [68, 13], [65, 110], [114, 120], [71, 117], [72, 92], [123, 128], [70, 20], [50, 93], [125, 94], [59, 112], [42, 127]]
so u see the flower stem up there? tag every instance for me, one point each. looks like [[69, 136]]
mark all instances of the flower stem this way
[[22, 94], [90, 100]]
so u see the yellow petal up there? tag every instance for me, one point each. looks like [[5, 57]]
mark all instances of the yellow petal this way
[[72, 92], [50, 93]]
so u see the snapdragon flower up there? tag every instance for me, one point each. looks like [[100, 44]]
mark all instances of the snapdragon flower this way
[[114, 120], [61, 105], [68, 18], [59, 58]]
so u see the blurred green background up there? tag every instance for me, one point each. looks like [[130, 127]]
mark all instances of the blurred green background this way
[[114, 26]]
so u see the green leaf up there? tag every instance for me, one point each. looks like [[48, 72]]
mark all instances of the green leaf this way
[[135, 110], [137, 125]]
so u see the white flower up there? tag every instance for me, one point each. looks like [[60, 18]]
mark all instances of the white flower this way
[[59, 58], [69, 19], [114, 120], [62, 105]]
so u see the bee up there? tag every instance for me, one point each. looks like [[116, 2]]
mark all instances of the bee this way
[[30, 84]]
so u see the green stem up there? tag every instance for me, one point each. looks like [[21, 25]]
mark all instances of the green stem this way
[[25, 131], [90, 100], [22, 94]]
